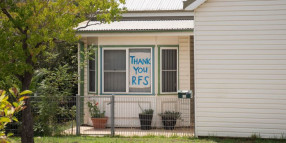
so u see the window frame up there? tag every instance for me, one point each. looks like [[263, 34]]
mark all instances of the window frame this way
[[126, 48], [161, 48], [95, 47], [103, 71]]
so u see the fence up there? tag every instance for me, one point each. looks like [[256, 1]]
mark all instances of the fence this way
[[127, 116], [84, 122], [51, 116]]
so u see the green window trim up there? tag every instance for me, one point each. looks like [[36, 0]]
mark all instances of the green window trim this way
[[95, 47], [159, 69], [81, 65]]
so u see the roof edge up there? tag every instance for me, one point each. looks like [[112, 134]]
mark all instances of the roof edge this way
[[157, 11], [195, 4], [136, 31]]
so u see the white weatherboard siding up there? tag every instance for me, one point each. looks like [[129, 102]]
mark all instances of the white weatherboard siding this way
[[184, 62], [240, 68]]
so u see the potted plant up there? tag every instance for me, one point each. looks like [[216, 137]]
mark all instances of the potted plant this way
[[98, 118], [169, 119], [145, 117]]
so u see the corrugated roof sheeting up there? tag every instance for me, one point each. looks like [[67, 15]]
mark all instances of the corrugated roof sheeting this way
[[139, 25], [149, 5]]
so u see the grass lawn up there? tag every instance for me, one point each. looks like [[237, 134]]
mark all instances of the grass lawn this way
[[147, 139]]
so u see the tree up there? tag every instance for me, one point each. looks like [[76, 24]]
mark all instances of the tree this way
[[29, 27]]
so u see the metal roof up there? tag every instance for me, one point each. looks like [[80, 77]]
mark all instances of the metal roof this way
[[152, 5], [137, 26]]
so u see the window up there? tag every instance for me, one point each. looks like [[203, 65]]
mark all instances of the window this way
[[92, 66], [140, 70], [169, 70], [127, 70], [115, 71]]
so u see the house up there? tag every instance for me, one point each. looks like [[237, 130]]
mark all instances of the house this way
[[232, 55], [240, 70], [143, 60]]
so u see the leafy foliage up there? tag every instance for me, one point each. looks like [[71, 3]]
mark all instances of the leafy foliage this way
[[31, 29], [7, 82], [50, 113], [146, 111], [8, 109], [173, 114], [55, 89], [36, 25], [94, 110]]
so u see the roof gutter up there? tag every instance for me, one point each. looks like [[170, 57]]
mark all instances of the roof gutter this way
[[195, 4], [135, 31]]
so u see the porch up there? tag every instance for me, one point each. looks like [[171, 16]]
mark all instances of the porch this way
[[88, 130], [124, 116]]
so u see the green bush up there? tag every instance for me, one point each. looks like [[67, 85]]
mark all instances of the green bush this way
[[53, 105]]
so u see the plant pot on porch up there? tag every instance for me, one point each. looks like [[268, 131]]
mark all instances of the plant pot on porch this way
[[145, 121], [98, 118], [99, 123], [169, 119], [146, 118]]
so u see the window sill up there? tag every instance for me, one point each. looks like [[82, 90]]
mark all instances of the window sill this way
[[92, 92]]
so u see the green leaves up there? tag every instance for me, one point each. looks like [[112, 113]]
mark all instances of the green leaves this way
[[23, 98], [10, 134], [5, 120], [8, 110], [28, 29], [26, 92], [94, 110], [15, 119]]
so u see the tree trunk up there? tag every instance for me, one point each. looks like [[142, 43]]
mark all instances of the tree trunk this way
[[27, 135]]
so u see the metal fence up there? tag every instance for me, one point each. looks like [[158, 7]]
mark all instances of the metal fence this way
[[134, 123], [126, 116], [52, 116], [84, 119]]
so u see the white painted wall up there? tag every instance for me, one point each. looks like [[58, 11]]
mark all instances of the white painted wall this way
[[126, 107], [240, 68], [139, 40]]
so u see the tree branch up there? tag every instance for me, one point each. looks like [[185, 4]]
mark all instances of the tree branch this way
[[43, 42], [58, 41], [87, 24], [39, 44], [11, 19]]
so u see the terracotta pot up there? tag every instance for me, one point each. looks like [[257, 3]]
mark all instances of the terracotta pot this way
[[99, 123]]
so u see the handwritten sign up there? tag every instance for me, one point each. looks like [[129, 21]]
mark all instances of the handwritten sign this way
[[140, 70]]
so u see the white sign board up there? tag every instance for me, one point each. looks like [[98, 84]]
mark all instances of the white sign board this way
[[140, 69]]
